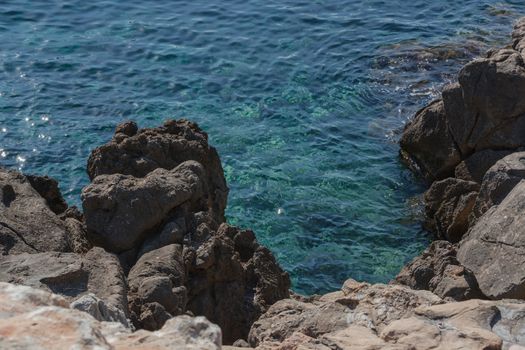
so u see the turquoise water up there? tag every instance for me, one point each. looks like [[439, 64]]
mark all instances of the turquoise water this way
[[303, 99]]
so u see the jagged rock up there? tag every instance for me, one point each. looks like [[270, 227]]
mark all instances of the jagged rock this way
[[27, 224], [35, 319], [499, 180], [448, 204], [156, 287], [484, 111], [232, 280], [358, 304], [474, 167], [438, 271], [101, 311], [493, 248], [77, 236], [120, 210], [427, 144], [138, 153], [47, 187], [69, 274], [373, 317]]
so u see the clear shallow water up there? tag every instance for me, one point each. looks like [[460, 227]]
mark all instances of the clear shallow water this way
[[303, 99]]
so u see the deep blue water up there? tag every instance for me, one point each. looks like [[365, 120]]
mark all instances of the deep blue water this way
[[303, 99]]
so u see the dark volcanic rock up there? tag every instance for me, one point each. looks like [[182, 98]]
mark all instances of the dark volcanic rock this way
[[448, 204], [156, 287], [120, 210], [27, 224], [428, 145], [438, 271], [232, 280], [474, 167], [47, 187], [499, 180], [493, 248], [137, 153], [69, 275]]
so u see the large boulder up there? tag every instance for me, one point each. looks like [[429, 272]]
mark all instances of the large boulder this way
[[484, 111], [27, 223], [70, 275], [493, 248], [35, 319], [156, 287], [427, 145], [138, 152], [371, 317], [448, 204], [438, 270], [497, 183], [232, 280], [475, 166], [121, 210]]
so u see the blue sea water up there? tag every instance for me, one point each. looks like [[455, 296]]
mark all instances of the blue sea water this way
[[304, 100]]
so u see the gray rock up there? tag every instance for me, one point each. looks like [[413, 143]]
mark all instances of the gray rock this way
[[120, 210], [493, 248], [448, 204], [69, 274], [97, 308], [475, 166], [438, 271], [139, 152], [27, 224], [497, 183], [156, 287], [427, 144]]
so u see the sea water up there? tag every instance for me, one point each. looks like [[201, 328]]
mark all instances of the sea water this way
[[303, 99]]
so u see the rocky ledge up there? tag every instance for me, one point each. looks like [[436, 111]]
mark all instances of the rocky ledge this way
[[150, 262]]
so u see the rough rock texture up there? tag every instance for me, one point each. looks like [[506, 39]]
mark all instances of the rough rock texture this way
[[35, 319], [70, 275], [474, 167], [233, 280], [27, 224], [448, 204], [428, 143], [139, 152], [120, 210], [101, 311], [499, 180], [47, 187], [156, 287], [374, 317], [485, 110], [438, 270], [493, 248]]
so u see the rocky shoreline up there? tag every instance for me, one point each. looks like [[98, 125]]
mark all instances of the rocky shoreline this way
[[150, 263]]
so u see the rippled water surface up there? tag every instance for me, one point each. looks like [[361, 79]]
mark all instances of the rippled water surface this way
[[303, 100]]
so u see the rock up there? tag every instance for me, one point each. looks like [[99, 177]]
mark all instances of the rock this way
[[448, 204], [101, 311], [138, 153], [438, 271], [426, 143], [27, 224], [357, 304], [156, 287], [47, 187], [69, 275], [232, 280], [35, 319], [353, 318], [475, 166], [493, 248], [120, 210], [77, 236], [484, 111], [499, 180]]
